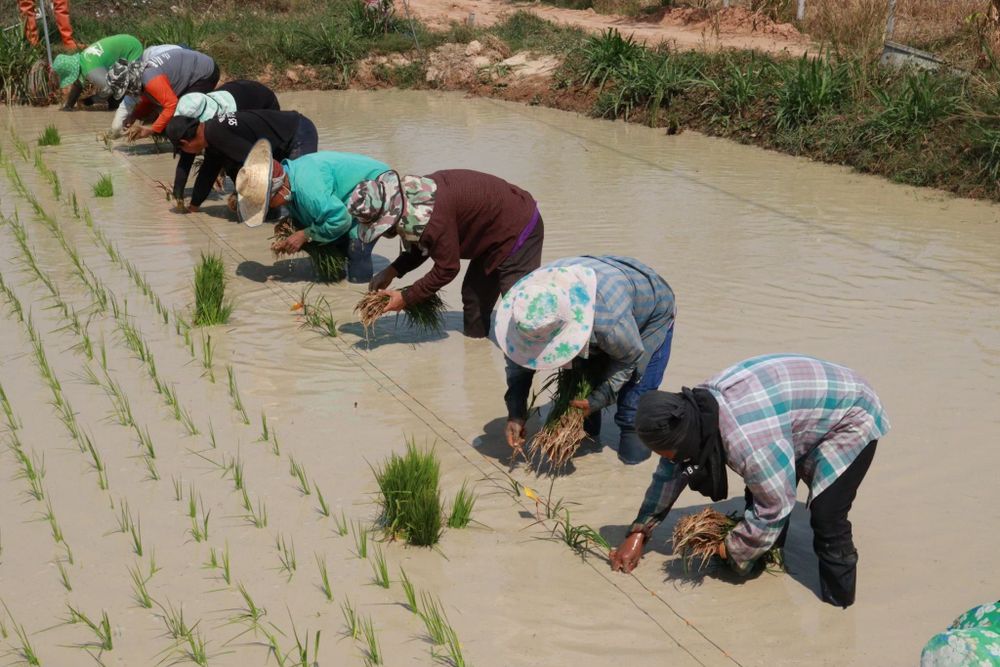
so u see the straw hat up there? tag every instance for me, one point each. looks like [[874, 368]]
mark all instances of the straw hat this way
[[546, 319], [254, 184]]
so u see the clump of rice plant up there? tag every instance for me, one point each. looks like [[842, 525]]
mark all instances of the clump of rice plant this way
[[563, 431], [25, 651], [49, 136], [329, 262], [210, 303], [698, 536], [380, 568], [101, 629], [427, 315], [409, 591], [374, 651], [409, 498], [324, 578], [104, 187], [461, 508], [317, 315]]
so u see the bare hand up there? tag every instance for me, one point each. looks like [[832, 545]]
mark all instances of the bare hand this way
[[722, 550], [292, 244], [515, 433], [232, 202], [581, 404], [382, 279], [628, 554], [396, 301], [144, 133]]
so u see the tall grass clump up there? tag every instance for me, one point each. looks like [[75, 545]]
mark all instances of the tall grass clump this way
[[210, 303], [49, 136], [372, 19], [104, 187], [461, 508], [16, 59], [810, 87], [648, 82], [922, 99], [606, 55], [409, 497]]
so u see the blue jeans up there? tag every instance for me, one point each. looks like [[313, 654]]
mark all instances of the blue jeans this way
[[630, 448], [359, 258]]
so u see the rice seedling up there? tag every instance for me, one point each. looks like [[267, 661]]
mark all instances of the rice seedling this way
[[256, 515], [211, 306], [121, 407], [286, 555], [341, 524], [563, 431], [195, 649], [178, 488], [234, 394], [207, 354], [63, 575], [300, 654], [408, 590], [580, 538], [324, 508], [49, 136], [97, 462], [265, 434], [33, 471], [24, 651], [50, 517], [324, 578], [275, 446], [101, 629], [152, 474], [69, 554], [427, 315], [408, 498], [104, 187], [139, 591], [360, 533], [236, 466], [328, 261], [250, 613], [374, 656], [211, 436], [199, 526], [380, 568], [298, 471], [173, 620], [350, 619], [461, 508], [317, 315], [227, 572], [454, 656], [13, 423], [698, 536], [434, 618]]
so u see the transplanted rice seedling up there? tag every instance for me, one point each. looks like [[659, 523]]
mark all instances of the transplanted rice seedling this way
[[104, 187], [380, 568], [97, 462], [698, 536], [461, 508], [286, 555], [50, 516], [199, 526], [434, 618], [257, 516], [210, 304], [139, 591], [360, 533], [24, 651], [428, 315], [324, 578], [132, 526], [409, 498], [408, 590], [101, 629], [173, 620], [299, 656], [374, 656], [63, 575], [250, 613], [350, 619], [341, 524], [49, 136], [234, 393], [563, 431], [207, 354], [582, 538], [324, 508], [32, 471], [298, 471]]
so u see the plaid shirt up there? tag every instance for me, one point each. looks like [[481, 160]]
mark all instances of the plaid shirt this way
[[783, 418], [633, 311]]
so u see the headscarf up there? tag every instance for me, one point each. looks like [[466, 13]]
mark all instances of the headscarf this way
[[204, 106], [125, 78], [687, 424]]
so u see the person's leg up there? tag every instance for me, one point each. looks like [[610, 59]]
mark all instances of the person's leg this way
[[27, 9], [630, 448], [359, 261], [520, 263], [479, 293], [833, 539], [61, 11]]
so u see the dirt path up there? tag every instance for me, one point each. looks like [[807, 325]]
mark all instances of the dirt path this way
[[686, 29]]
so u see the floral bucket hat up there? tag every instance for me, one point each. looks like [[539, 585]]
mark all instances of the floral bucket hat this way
[[388, 202], [546, 319]]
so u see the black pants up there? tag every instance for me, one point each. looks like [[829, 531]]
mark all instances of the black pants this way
[[306, 140], [205, 85], [833, 538], [480, 291]]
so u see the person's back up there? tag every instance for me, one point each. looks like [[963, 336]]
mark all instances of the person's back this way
[[182, 67]]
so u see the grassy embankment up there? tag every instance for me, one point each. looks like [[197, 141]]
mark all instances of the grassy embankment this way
[[930, 129]]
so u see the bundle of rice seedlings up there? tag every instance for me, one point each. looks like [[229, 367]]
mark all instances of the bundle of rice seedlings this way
[[328, 261], [132, 133], [49, 136], [563, 431], [427, 315], [409, 497], [698, 536], [210, 303]]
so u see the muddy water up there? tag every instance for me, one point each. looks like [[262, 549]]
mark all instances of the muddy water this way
[[766, 253]]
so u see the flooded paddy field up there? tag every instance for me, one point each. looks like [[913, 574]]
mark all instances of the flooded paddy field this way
[[766, 253]]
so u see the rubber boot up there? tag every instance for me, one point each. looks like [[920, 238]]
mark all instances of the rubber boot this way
[[838, 574], [631, 451]]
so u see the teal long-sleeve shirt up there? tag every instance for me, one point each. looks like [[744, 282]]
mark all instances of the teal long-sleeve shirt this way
[[321, 184]]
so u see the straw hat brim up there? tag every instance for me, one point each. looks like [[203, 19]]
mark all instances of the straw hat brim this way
[[253, 185]]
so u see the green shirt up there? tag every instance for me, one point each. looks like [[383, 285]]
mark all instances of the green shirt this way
[[97, 59], [321, 184]]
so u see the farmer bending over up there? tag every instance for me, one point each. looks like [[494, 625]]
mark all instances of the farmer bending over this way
[[227, 98], [609, 313], [773, 420], [227, 141], [449, 216], [159, 81], [92, 65], [314, 189]]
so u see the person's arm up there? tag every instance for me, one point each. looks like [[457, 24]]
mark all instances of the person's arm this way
[[770, 477], [441, 237], [662, 493], [518, 389], [623, 345], [181, 174], [159, 89], [142, 107], [408, 261], [74, 94], [205, 179]]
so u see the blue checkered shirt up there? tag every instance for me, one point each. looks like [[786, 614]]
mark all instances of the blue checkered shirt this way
[[783, 418]]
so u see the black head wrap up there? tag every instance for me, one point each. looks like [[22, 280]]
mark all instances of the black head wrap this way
[[688, 425]]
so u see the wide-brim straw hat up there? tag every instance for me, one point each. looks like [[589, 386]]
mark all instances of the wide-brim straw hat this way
[[253, 184], [546, 319]]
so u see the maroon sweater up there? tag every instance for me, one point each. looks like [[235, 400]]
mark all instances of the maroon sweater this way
[[475, 216]]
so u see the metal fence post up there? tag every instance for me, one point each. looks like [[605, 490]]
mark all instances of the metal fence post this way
[[800, 13], [890, 21], [45, 28]]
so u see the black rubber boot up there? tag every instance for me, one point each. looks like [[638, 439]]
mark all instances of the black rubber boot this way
[[838, 574]]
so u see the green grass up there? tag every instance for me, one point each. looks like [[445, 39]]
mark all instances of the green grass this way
[[810, 87], [49, 136], [104, 187], [380, 568], [211, 306], [461, 508], [409, 498]]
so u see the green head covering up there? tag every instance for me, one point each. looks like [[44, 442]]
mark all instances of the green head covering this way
[[67, 67]]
